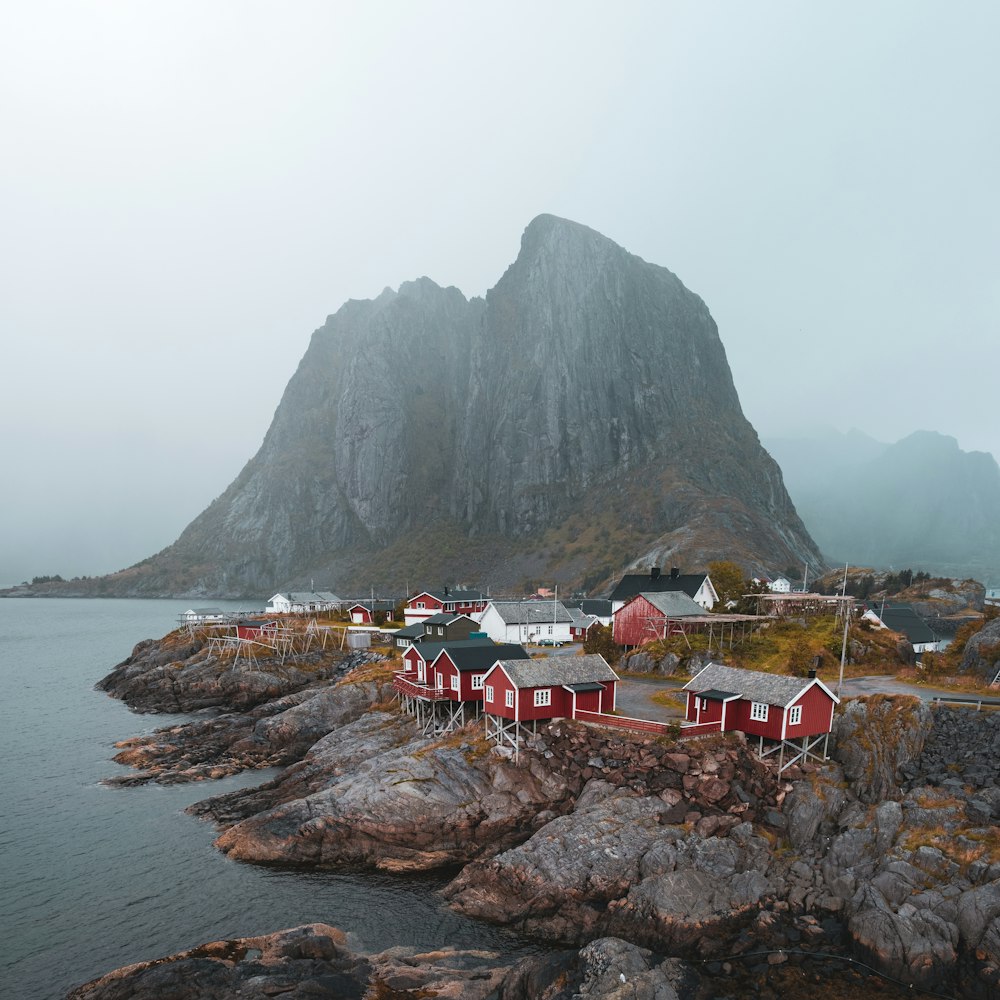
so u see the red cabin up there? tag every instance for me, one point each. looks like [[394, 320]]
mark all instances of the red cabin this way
[[520, 691], [460, 602], [460, 671], [419, 658], [769, 706], [253, 629], [646, 617]]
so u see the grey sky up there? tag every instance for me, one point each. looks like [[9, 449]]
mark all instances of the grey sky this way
[[189, 188]]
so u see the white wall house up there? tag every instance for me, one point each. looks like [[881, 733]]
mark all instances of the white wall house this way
[[780, 585], [203, 615], [526, 621], [303, 602]]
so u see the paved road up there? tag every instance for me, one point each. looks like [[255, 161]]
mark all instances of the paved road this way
[[633, 698], [854, 686]]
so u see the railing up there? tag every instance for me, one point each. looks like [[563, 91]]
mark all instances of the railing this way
[[700, 728], [647, 726], [415, 690]]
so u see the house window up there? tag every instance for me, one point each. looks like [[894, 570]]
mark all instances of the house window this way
[[758, 711], [454, 682], [704, 704], [550, 630], [795, 715], [488, 692], [440, 630], [420, 604], [543, 696], [510, 699], [477, 682], [440, 682]]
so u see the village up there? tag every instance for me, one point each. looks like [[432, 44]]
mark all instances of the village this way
[[512, 664]]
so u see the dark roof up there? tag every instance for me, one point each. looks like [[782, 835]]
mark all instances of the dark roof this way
[[906, 621], [414, 631], [585, 686], [483, 657], [375, 605], [753, 685], [558, 670], [599, 608], [446, 618], [456, 596], [643, 583], [717, 695], [429, 650]]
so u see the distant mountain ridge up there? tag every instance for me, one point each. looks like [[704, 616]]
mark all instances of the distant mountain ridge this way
[[921, 502], [580, 418]]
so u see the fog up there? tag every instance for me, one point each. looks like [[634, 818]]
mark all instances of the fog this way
[[189, 189]]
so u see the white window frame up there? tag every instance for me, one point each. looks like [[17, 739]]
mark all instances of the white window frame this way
[[543, 697], [488, 692], [758, 711], [477, 681], [704, 704], [509, 700], [795, 715], [454, 682], [420, 604], [440, 681]]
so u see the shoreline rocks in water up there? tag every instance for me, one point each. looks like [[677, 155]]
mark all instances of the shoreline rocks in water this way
[[692, 849]]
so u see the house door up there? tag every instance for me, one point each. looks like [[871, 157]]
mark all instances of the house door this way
[[421, 671]]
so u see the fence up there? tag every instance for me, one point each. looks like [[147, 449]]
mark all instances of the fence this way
[[646, 726]]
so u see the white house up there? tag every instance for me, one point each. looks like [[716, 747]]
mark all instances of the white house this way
[[203, 615], [303, 602], [526, 621], [780, 585]]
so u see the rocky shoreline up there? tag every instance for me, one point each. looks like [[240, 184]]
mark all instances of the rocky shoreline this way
[[664, 860]]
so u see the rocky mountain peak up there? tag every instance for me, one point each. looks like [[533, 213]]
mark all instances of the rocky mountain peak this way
[[581, 416]]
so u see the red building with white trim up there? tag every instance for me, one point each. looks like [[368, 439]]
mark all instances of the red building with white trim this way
[[427, 603], [649, 616], [768, 706]]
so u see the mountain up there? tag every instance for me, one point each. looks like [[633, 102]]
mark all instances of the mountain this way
[[921, 502], [580, 418]]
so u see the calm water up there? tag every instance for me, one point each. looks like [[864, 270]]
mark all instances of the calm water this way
[[91, 877]]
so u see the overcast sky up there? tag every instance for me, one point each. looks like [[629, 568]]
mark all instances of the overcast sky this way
[[189, 188]]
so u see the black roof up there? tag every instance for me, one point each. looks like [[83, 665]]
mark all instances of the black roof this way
[[414, 631], [598, 608], [716, 695], [903, 619], [428, 650], [483, 657], [645, 583], [586, 686]]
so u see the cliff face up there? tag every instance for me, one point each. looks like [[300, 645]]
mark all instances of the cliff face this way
[[582, 417]]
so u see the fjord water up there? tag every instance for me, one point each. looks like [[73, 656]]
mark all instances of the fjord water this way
[[91, 877]]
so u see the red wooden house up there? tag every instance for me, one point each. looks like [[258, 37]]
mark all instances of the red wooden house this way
[[516, 692], [371, 612], [427, 603], [650, 616], [771, 707], [440, 681]]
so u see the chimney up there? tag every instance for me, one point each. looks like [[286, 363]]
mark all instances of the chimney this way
[[674, 572], [445, 591], [654, 573], [812, 675]]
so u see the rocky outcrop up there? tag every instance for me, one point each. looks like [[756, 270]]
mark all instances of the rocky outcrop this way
[[181, 673], [590, 388], [873, 738], [309, 961], [982, 652]]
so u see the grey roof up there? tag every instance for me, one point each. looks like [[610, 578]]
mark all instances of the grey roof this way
[[598, 608], [673, 603], [310, 597], [556, 670], [531, 612], [769, 689], [483, 657], [204, 611], [377, 605]]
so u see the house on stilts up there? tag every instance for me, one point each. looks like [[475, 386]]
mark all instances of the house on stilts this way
[[518, 694], [790, 716], [441, 684]]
